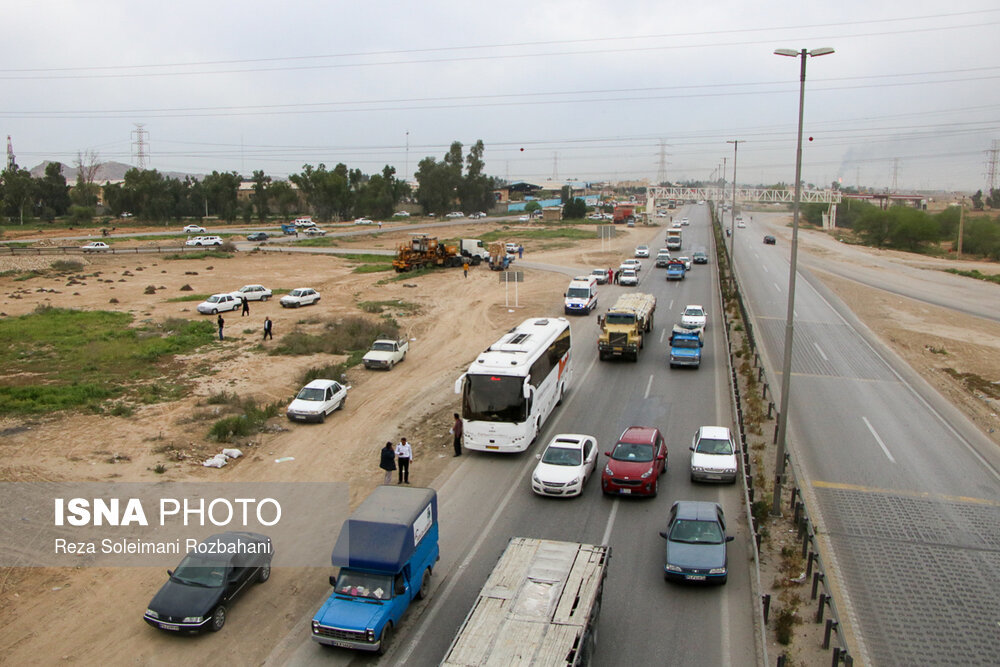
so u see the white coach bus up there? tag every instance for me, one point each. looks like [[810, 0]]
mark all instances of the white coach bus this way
[[512, 387]]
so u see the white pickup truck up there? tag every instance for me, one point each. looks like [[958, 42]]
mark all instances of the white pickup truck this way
[[386, 353]]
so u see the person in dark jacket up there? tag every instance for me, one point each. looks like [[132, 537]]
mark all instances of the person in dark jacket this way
[[388, 462], [246, 307], [456, 432], [221, 322]]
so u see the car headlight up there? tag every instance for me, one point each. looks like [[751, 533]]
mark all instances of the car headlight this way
[[315, 626], [671, 568], [573, 481], [699, 469], [534, 478], [607, 470], [717, 570], [647, 473], [728, 470], [370, 635], [152, 614], [193, 619]]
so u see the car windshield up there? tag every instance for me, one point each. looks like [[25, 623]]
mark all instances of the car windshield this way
[[562, 456], [297, 292], [684, 343], [578, 293], [311, 394], [706, 446], [696, 532], [599, 272], [382, 347], [197, 570], [364, 585], [694, 312], [215, 298], [494, 398], [620, 318], [631, 451]]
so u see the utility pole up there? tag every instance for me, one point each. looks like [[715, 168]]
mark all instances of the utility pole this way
[[661, 175], [140, 135], [406, 169], [723, 189], [732, 218], [961, 225]]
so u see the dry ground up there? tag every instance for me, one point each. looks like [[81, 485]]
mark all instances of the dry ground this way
[[457, 318]]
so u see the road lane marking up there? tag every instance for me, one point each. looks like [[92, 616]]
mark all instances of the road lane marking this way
[[844, 486], [878, 439], [765, 268], [671, 306], [776, 286], [611, 523], [663, 332], [649, 385], [816, 345]]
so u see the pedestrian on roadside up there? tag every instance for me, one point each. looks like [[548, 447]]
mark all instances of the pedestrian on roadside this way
[[456, 432], [404, 454], [267, 329], [380, 225], [387, 462], [465, 269], [222, 323], [611, 275], [246, 307], [618, 275], [520, 251]]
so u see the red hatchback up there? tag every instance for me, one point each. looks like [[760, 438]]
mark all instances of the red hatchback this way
[[636, 463]]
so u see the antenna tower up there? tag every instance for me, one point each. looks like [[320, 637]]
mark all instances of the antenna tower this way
[[661, 174], [139, 142], [11, 161], [991, 164]]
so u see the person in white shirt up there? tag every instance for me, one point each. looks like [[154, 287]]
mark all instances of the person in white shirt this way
[[404, 454]]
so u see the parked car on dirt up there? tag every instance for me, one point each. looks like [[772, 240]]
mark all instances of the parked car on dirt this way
[[203, 587], [194, 229], [455, 214], [95, 246], [601, 275], [401, 214], [300, 296], [218, 303], [316, 400], [565, 466], [252, 293], [696, 543]]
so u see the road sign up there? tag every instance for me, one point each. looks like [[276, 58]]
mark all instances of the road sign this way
[[512, 276]]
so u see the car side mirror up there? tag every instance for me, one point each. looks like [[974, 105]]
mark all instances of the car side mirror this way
[[691, 448], [538, 456], [701, 343], [170, 573], [729, 538], [333, 581], [608, 454], [661, 458], [663, 535]]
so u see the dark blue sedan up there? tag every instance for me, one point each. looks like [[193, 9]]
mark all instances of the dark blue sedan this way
[[696, 543]]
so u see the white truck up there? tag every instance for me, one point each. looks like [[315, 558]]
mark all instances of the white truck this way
[[539, 607], [386, 353], [673, 239], [473, 250]]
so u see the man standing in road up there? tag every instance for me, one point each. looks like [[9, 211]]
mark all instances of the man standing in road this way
[[520, 251], [246, 307], [387, 462], [456, 432], [465, 269], [222, 323], [267, 329], [404, 454], [611, 275]]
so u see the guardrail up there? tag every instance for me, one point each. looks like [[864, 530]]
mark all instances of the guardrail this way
[[815, 568], [77, 250]]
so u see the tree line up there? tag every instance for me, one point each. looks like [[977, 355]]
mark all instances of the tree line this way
[[905, 228], [341, 193]]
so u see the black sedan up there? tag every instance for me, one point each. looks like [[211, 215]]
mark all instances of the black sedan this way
[[696, 543], [200, 590], [257, 236], [769, 240]]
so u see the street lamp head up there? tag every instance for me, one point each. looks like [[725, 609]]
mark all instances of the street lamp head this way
[[822, 51], [792, 53]]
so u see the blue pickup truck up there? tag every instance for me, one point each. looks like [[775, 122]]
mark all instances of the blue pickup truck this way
[[386, 552], [675, 270], [685, 347]]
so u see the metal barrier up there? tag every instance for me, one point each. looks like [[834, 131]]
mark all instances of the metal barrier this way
[[821, 590]]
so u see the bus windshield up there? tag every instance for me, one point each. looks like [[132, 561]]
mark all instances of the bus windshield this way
[[494, 398]]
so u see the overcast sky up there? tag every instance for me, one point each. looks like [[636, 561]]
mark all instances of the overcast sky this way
[[588, 90]]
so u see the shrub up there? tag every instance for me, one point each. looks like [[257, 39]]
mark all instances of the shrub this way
[[67, 266]]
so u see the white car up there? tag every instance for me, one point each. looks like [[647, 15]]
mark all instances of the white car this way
[[642, 251], [300, 296], [218, 303], [694, 317], [401, 214], [364, 221], [315, 231], [713, 455], [252, 293], [687, 262], [740, 224], [511, 248], [685, 221], [565, 466], [633, 264], [304, 222], [524, 218], [95, 246], [628, 277], [316, 400], [455, 214], [204, 240], [194, 229]]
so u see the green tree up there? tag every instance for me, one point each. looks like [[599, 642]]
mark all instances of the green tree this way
[[326, 192], [575, 210], [284, 197], [260, 194], [993, 201], [19, 191], [221, 191], [872, 227], [52, 193], [977, 200], [910, 229], [982, 237], [532, 206]]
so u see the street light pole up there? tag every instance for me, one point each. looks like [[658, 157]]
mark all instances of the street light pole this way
[[732, 218], [786, 366]]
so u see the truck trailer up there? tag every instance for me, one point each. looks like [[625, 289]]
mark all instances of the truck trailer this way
[[539, 607], [386, 552]]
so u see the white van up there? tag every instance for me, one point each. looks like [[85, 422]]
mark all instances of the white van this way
[[581, 295]]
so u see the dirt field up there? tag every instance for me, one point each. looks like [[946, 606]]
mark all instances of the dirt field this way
[[456, 319]]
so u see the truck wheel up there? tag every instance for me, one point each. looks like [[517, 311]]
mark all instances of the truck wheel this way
[[425, 581], [383, 639]]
